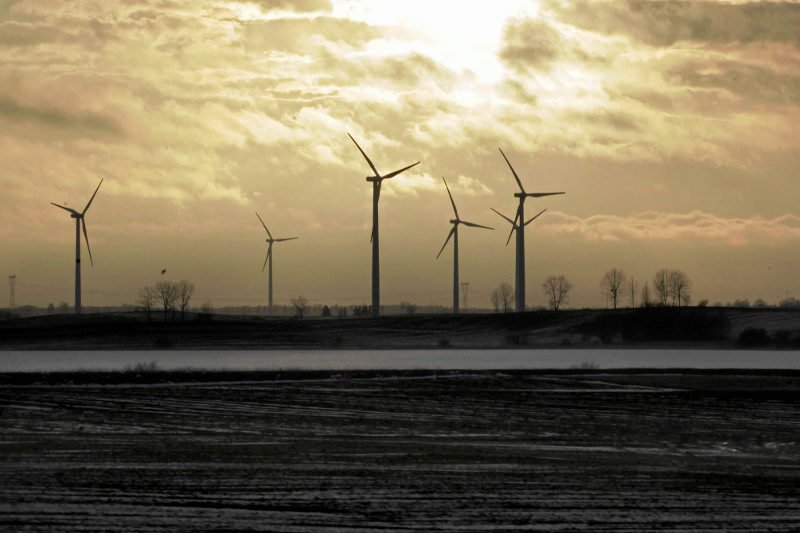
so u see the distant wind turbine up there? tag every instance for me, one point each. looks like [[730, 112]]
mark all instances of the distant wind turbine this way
[[80, 222], [270, 242], [454, 234], [374, 238], [520, 229]]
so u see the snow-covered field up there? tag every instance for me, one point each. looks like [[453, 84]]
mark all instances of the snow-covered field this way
[[445, 451], [457, 359]]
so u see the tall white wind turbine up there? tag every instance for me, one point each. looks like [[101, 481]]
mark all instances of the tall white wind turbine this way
[[268, 259], [375, 237], [454, 234], [520, 229], [80, 222]]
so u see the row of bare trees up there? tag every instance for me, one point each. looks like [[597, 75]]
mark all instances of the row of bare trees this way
[[169, 296], [555, 287], [670, 287]]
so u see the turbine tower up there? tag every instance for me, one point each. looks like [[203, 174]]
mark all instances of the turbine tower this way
[[454, 234], [520, 264], [270, 242], [79, 221], [374, 238]]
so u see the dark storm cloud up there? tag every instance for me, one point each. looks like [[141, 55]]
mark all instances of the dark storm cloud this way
[[664, 23], [87, 123]]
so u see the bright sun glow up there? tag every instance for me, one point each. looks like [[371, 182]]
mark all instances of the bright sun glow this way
[[462, 35]]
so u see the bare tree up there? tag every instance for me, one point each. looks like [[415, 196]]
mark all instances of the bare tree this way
[[680, 287], [632, 287], [612, 284], [556, 288], [496, 300], [184, 291], [166, 295], [661, 286], [645, 296], [506, 295], [147, 299], [408, 307], [300, 305]]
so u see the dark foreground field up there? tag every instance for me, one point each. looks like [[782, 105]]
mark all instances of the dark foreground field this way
[[414, 451], [685, 327]]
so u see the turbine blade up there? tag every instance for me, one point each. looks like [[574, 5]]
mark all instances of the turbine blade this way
[[451, 198], [92, 198], [262, 223], [265, 226], [535, 217], [540, 194], [375, 170], [286, 239], [86, 236], [502, 215], [521, 188], [452, 231], [473, 225], [514, 227], [396, 172], [66, 209]]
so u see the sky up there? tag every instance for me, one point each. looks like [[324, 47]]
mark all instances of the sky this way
[[671, 126]]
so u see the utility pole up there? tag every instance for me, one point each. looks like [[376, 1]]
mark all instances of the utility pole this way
[[12, 282], [464, 292]]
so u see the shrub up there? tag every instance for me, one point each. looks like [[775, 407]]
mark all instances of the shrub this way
[[141, 367], [753, 337]]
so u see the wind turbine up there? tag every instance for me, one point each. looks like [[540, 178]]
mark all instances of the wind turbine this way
[[79, 221], [520, 263], [270, 242], [376, 180], [454, 233]]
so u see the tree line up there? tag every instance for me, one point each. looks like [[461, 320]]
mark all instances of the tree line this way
[[670, 288], [167, 296]]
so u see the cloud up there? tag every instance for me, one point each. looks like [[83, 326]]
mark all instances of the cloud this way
[[660, 226], [293, 5], [83, 123], [300, 35], [538, 43], [414, 184], [665, 23]]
